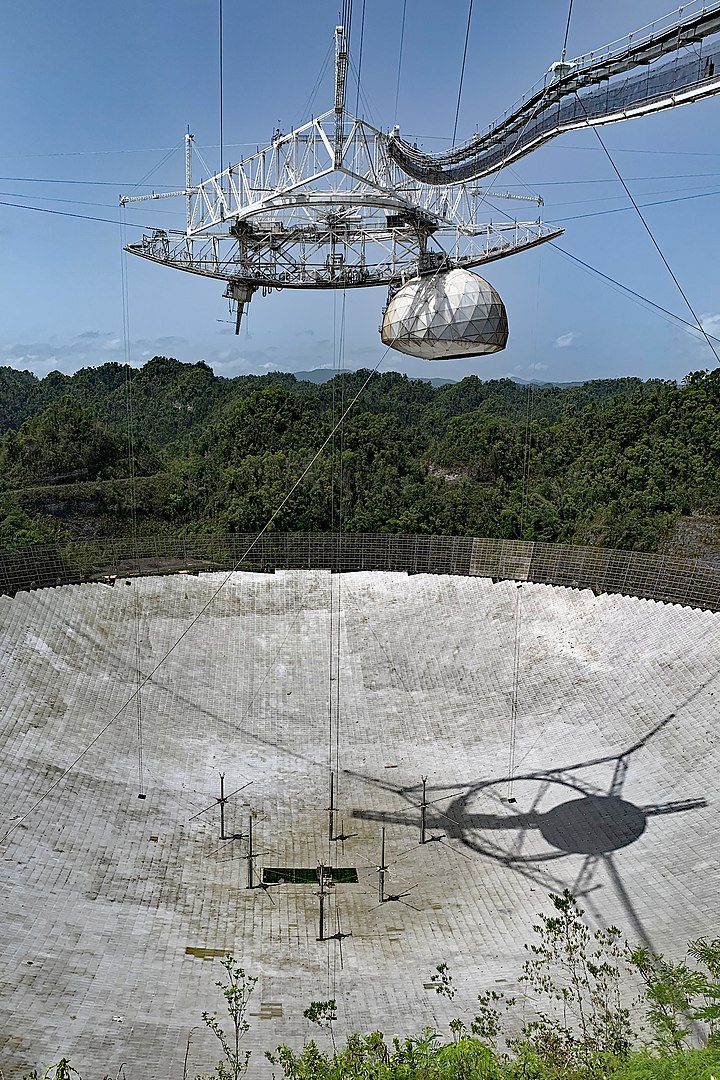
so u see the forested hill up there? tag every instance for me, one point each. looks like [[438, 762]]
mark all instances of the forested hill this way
[[614, 462]]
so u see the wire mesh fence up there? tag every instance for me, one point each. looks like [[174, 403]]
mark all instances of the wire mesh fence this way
[[632, 573]]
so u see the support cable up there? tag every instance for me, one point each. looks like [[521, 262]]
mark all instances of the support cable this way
[[514, 693], [370, 108], [462, 72], [130, 429], [655, 244], [640, 297], [347, 20], [213, 596], [632, 293], [69, 214], [196, 618], [220, 82], [331, 627], [360, 56], [335, 623], [303, 113], [567, 31], [336, 525], [339, 549], [400, 56], [527, 466], [523, 510]]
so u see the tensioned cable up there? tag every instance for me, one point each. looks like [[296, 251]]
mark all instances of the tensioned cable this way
[[625, 209], [77, 202], [131, 185], [677, 193], [278, 509], [400, 56], [360, 57], [529, 413], [650, 233], [515, 688], [336, 472], [335, 667], [525, 489], [220, 82], [620, 286], [371, 109], [198, 149], [527, 463], [611, 280], [462, 72], [151, 172], [69, 214], [304, 112], [552, 221], [339, 550], [347, 17], [413, 135], [331, 636], [75, 183], [567, 31], [130, 427]]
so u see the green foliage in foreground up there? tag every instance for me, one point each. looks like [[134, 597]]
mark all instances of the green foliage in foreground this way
[[575, 1020], [610, 462], [427, 1057], [578, 1018]]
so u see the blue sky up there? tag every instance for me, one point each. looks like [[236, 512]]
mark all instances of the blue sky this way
[[96, 94]]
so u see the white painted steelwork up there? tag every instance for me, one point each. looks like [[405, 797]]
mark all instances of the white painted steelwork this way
[[326, 207], [670, 62]]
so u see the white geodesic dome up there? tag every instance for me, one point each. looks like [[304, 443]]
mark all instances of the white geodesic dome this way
[[444, 316]]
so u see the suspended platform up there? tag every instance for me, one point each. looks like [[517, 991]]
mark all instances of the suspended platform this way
[[326, 207]]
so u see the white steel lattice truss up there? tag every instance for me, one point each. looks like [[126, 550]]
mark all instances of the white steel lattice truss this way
[[325, 206]]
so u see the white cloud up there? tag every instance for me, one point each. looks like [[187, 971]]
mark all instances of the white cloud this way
[[537, 366], [566, 340], [710, 324], [87, 349]]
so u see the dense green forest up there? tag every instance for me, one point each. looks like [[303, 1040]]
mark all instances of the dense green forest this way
[[611, 462]]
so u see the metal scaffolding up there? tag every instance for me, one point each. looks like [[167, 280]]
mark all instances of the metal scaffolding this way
[[326, 207]]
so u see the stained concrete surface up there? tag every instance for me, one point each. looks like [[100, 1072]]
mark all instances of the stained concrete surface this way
[[112, 907]]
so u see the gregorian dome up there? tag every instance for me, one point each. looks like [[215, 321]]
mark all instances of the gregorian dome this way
[[444, 316]]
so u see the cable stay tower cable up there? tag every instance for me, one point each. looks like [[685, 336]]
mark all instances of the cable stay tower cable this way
[[221, 81], [360, 58], [462, 71], [400, 58], [205, 607]]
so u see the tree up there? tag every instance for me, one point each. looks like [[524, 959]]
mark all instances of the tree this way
[[236, 990]]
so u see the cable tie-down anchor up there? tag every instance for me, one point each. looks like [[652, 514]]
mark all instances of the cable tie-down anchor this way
[[239, 293]]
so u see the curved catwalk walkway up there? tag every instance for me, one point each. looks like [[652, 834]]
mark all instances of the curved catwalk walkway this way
[[113, 907]]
